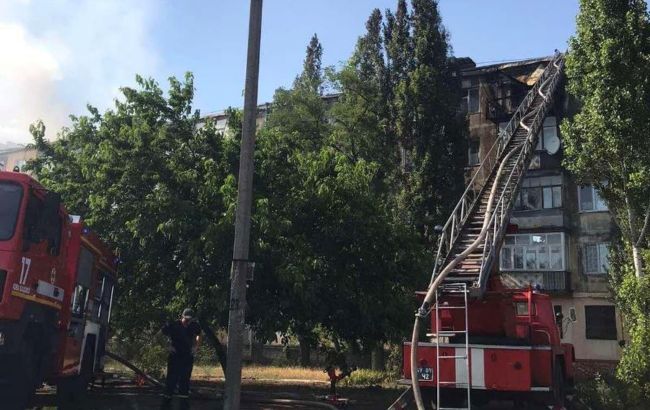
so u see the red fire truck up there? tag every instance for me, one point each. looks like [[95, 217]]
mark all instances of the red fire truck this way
[[57, 281], [488, 340], [513, 345]]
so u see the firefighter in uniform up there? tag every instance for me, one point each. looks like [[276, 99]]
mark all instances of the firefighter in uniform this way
[[184, 337]]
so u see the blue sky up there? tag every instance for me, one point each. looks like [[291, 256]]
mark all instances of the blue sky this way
[[67, 53]]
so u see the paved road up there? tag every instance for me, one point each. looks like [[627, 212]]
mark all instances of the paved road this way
[[141, 399], [120, 396]]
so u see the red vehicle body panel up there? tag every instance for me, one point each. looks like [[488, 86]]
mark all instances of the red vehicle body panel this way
[[513, 340], [42, 277]]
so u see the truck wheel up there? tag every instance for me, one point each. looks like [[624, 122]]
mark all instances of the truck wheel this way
[[19, 392], [558, 385], [71, 391]]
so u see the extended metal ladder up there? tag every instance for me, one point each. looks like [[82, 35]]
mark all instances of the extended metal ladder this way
[[452, 289], [498, 178], [471, 238]]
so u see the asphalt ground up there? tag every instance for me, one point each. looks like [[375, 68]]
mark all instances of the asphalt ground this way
[[123, 394]]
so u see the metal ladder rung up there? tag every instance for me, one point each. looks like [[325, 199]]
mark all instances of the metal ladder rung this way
[[452, 289], [445, 334]]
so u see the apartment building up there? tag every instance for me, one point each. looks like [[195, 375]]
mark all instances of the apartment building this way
[[15, 156], [559, 232]]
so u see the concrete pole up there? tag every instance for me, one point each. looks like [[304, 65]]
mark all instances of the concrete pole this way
[[243, 216]]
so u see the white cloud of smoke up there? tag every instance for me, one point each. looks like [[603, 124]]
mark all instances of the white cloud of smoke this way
[[57, 56]]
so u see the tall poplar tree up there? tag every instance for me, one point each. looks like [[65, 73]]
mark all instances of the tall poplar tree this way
[[607, 141], [606, 144]]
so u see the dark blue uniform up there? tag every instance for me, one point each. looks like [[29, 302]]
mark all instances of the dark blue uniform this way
[[181, 360]]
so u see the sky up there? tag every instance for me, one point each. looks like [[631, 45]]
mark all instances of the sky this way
[[57, 56]]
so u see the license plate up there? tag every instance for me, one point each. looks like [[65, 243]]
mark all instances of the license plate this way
[[425, 373]]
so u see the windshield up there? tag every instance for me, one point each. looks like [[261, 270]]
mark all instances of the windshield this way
[[10, 196]]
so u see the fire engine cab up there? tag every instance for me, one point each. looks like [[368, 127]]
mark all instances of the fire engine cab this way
[[57, 282]]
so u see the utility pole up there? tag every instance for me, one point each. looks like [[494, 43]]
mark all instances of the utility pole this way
[[240, 262]]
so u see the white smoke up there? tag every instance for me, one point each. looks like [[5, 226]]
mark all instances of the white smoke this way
[[57, 56]]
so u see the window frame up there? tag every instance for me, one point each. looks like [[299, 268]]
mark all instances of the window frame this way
[[595, 328], [595, 199], [477, 144], [541, 135], [19, 210], [519, 197], [599, 255], [548, 251], [467, 98]]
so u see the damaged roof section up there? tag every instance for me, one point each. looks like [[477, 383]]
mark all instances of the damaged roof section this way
[[524, 71]]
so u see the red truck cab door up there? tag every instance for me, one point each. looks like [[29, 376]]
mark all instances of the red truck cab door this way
[[40, 265], [79, 306]]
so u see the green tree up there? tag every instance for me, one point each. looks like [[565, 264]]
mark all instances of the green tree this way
[[329, 249], [438, 130], [606, 142], [160, 189], [311, 78], [361, 115]]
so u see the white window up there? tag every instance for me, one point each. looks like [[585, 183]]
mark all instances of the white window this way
[[473, 158], [533, 252], [596, 257], [547, 136], [589, 199], [539, 193], [470, 102]]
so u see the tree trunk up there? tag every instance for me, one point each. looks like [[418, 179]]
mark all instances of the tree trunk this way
[[305, 352], [214, 342], [638, 263], [378, 358]]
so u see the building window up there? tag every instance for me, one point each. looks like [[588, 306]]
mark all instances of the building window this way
[[536, 252], [539, 193], [547, 138], [473, 158], [600, 322], [596, 258], [590, 199], [471, 102]]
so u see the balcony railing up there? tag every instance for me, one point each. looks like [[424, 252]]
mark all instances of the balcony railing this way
[[547, 281]]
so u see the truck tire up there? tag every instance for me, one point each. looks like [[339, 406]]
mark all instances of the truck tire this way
[[20, 391], [72, 391], [559, 393]]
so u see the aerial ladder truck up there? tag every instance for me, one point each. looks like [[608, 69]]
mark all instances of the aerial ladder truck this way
[[487, 341]]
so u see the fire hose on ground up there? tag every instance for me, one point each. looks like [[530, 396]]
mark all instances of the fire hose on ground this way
[[157, 383]]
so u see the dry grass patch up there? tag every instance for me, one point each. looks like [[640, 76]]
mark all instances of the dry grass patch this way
[[264, 373]]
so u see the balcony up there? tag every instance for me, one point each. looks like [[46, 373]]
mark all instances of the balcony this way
[[551, 282]]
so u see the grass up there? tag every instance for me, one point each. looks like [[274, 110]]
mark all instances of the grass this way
[[359, 378], [264, 372], [252, 372]]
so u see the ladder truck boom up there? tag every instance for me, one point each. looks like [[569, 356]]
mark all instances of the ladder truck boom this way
[[486, 340]]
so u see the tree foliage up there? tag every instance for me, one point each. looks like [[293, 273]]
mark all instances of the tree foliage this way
[[606, 144], [347, 188], [329, 249], [158, 189]]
